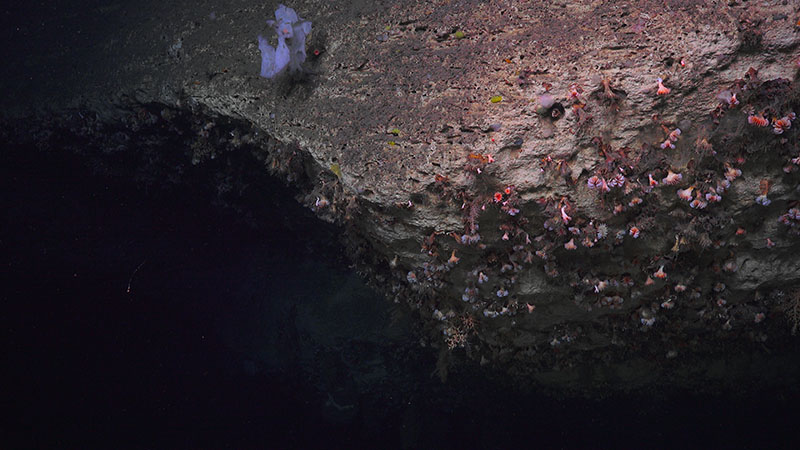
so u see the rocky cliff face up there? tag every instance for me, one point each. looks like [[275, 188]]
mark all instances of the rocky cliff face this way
[[572, 191]]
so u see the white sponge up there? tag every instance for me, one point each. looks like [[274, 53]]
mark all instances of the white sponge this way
[[291, 50]]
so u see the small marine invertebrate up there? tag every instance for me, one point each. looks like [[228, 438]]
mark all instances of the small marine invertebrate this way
[[470, 293], [791, 219], [782, 124], [570, 245], [702, 145], [575, 92], [660, 273], [607, 91], [713, 197], [453, 258], [647, 317], [672, 178], [490, 314], [602, 231], [411, 277], [728, 98], [763, 187], [564, 215], [321, 202], [549, 108], [731, 173], [672, 138], [730, 266], [600, 286], [651, 180], [470, 238], [757, 120], [662, 90], [685, 194], [613, 302], [698, 203], [617, 180], [498, 197], [634, 232], [763, 200], [477, 162]]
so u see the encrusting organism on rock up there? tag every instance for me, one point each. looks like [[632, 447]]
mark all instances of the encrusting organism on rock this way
[[763, 187], [672, 178], [782, 124], [686, 194], [671, 139], [291, 50], [662, 90], [757, 120]]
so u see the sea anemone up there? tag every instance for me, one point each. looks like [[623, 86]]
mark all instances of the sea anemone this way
[[662, 90]]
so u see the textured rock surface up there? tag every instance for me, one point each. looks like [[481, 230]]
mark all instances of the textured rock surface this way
[[416, 114]]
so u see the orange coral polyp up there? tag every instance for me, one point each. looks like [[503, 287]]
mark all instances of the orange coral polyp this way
[[757, 120], [662, 90]]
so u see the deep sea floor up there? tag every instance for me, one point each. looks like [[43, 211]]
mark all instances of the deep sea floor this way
[[155, 319]]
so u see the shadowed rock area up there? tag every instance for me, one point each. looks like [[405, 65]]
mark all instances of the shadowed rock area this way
[[581, 194]]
